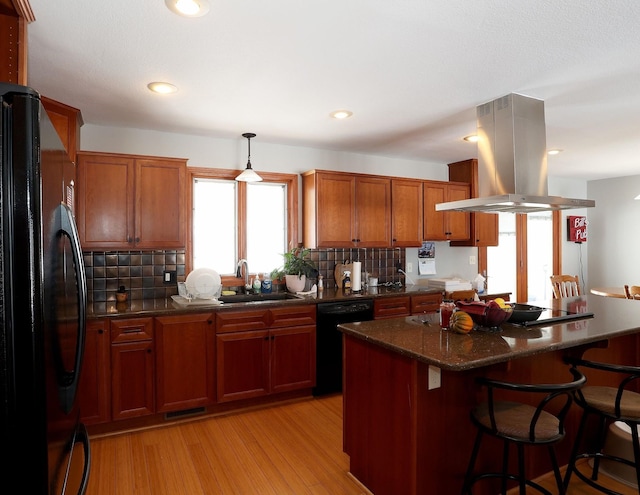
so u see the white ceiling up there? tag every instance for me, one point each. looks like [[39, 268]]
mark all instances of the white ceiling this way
[[412, 72]]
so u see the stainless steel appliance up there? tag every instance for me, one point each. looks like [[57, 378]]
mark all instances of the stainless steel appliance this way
[[42, 306], [329, 340]]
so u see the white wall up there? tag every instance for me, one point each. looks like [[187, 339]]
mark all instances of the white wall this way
[[614, 232]]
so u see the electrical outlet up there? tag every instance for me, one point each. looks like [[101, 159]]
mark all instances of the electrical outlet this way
[[472, 260], [169, 277], [434, 380], [409, 267]]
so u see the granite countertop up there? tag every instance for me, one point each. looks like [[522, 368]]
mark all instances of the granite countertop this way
[[159, 307], [420, 337]]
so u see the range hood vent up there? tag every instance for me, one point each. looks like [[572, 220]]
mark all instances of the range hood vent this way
[[512, 160]]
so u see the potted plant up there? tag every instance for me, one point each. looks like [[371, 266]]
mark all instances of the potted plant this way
[[297, 267]]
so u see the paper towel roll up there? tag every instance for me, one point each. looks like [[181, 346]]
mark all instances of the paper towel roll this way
[[356, 276]]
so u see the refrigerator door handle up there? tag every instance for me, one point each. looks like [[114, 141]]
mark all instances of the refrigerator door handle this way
[[68, 228], [83, 437]]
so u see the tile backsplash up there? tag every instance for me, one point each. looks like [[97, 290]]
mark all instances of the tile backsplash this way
[[141, 272]]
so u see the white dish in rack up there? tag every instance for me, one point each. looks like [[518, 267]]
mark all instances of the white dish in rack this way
[[204, 283]]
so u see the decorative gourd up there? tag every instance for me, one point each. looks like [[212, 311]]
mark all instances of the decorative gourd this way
[[461, 322]]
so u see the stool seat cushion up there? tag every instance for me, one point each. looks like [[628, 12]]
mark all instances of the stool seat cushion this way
[[513, 420], [604, 399]]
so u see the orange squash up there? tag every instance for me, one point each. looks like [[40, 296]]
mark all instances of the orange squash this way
[[461, 322]]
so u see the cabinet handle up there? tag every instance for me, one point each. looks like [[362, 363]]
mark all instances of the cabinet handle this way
[[100, 331], [129, 239], [132, 330], [210, 322], [148, 351], [137, 239]]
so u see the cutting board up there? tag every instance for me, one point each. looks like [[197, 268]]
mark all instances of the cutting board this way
[[339, 271]]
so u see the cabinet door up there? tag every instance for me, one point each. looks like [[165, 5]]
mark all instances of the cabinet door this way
[[335, 211], [95, 385], [391, 307], [160, 209], [441, 225], [406, 213], [185, 361], [105, 201], [457, 221], [242, 365], [293, 358], [132, 381], [373, 212]]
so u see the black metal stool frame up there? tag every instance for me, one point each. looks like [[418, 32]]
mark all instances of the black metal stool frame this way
[[560, 394], [605, 418]]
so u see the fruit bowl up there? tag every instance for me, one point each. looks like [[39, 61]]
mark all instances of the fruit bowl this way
[[488, 315]]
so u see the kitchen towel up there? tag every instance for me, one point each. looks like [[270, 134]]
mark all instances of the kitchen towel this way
[[356, 276]]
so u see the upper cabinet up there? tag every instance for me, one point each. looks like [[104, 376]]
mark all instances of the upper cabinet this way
[[483, 226], [445, 225], [346, 210], [406, 213], [67, 122], [130, 201]]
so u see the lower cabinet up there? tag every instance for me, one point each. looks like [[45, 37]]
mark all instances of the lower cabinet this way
[[425, 303], [391, 307], [94, 390], [185, 361], [262, 352], [132, 368]]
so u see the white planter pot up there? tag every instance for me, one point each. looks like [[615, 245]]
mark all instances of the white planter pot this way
[[295, 284]]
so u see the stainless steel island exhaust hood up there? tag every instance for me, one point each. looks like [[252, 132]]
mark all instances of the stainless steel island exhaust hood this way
[[512, 160]]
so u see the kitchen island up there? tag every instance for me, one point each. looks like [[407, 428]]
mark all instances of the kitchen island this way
[[409, 388]]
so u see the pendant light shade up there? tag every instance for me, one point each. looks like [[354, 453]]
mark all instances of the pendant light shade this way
[[248, 174]]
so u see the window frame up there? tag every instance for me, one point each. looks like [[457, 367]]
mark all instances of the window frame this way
[[291, 181]]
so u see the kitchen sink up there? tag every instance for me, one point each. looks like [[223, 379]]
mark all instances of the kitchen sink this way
[[240, 298]]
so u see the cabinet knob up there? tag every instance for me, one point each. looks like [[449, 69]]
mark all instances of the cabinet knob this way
[[148, 351], [137, 239], [129, 239]]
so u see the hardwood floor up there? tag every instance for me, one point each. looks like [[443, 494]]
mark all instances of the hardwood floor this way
[[289, 449]]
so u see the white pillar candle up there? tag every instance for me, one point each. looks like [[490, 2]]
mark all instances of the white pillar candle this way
[[356, 277]]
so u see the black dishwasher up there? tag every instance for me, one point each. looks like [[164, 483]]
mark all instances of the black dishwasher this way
[[329, 340]]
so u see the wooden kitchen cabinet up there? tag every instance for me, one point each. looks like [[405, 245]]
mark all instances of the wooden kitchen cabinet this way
[[483, 226], [262, 352], [406, 213], [346, 210], [445, 225], [185, 361], [425, 303], [67, 122], [391, 307], [131, 201], [94, 390], [132, 368]]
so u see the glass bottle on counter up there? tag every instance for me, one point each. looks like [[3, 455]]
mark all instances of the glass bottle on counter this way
[[266, 285]]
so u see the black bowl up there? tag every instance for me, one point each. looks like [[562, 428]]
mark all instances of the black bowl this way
[[524, 312]]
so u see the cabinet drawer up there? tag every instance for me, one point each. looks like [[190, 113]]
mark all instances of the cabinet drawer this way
[[293, 316], [388, 307], [131, 330], [239, 321], [427, 303]]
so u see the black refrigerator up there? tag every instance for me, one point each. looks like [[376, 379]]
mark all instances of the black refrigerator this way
[[42, 306]]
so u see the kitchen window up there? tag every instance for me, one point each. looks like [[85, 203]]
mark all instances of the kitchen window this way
[[234, 220]]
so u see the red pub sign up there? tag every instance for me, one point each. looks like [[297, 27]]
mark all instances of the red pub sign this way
[[577, 228]]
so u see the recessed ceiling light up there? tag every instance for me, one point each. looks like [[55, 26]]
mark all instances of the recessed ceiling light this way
[[554, 151], [188, 8], [341, 114], [162, 87], [471, 138]]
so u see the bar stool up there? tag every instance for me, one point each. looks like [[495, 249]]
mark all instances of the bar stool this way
[[522, 424], [608, 404]]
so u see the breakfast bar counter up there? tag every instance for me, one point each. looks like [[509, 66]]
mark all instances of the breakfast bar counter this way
[[409, 387]]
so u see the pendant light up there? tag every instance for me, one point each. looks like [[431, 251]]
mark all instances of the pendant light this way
[[248, 175]]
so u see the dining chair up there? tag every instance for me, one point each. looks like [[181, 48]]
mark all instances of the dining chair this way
[[530, 422], [608, 404], [632, 291], [565, 286]]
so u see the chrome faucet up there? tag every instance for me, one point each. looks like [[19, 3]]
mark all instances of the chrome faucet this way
[[241, 263]]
